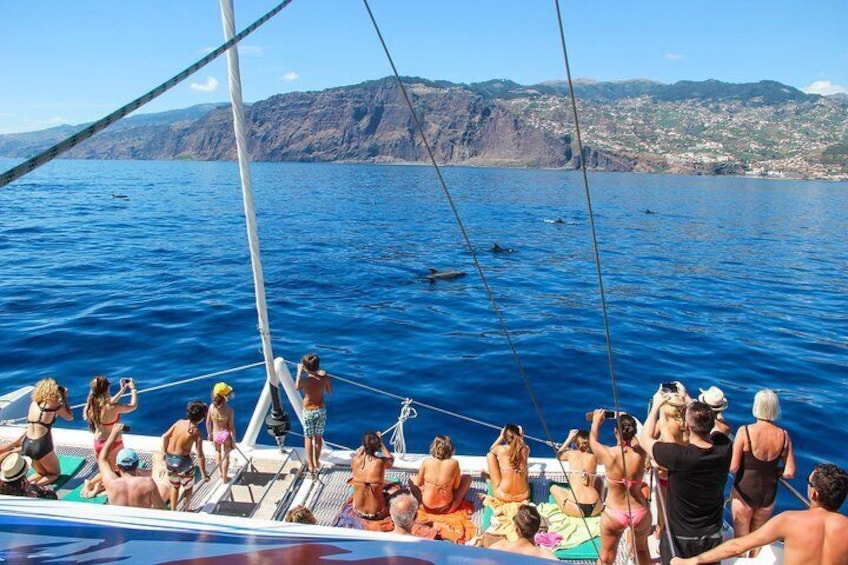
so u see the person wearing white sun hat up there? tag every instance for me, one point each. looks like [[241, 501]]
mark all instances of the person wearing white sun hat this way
[[13, 481], [715, 399]]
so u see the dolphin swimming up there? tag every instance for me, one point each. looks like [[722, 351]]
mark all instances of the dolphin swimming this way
[[498, 249], [437, 275]]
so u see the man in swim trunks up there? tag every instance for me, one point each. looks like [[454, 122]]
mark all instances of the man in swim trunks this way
[[314, 385], [126, 488], [697, 473], [176, 444]]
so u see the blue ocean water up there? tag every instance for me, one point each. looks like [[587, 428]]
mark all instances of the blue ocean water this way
[[733, 282]]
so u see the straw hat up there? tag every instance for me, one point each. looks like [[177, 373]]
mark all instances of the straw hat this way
[[14, 467], [714, 398]]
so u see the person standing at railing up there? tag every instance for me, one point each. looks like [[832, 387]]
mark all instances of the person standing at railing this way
[[314, 386], [220, 425], [697, 473], [816, 536], [762, 452], [177, 443], [625, 507]]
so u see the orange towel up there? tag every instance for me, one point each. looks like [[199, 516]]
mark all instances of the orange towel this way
[[457, 527]]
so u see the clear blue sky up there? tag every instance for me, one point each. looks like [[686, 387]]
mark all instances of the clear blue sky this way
[[72, 61]]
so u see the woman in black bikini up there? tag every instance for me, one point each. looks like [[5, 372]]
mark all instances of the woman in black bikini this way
[[758, 451], [582, 498], [48, 401]]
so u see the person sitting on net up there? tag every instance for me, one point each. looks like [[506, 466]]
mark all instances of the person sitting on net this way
[[439, 484], [526, 522], [13, 481], [582, 498], [369, 466], [507, 464]]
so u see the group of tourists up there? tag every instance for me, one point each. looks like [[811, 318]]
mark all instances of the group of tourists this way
[[119, 476], [687, 441]]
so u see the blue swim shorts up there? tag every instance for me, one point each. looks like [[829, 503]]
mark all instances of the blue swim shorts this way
[[314, 421]]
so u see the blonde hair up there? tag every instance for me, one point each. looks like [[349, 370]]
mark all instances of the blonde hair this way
[[47, 391], [766, 405], [442, 447]]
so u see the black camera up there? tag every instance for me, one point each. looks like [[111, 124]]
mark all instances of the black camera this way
[[669, 387], [125, 381]]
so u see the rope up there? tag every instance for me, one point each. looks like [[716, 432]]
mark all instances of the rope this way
[[607, 333], [69, 143], [398, 441], [478, 267], [429, 406], [163, 386]]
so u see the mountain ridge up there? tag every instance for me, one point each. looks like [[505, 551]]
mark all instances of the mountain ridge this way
[[706, 127]]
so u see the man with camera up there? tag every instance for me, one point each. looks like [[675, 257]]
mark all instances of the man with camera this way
[[697, 473]]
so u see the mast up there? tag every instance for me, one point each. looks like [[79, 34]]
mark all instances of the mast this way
[[277, 422]]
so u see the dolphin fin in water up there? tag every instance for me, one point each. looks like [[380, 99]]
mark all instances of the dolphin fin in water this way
[[437, 275]]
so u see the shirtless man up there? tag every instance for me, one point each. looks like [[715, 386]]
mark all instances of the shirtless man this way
[[314, 385], [176, 444], [403, 509], [126, 488], [527, 521], [817, 536]]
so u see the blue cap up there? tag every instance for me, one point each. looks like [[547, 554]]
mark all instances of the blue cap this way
[[127, 458]]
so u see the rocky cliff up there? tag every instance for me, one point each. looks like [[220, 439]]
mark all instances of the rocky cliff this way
[[694, 128]]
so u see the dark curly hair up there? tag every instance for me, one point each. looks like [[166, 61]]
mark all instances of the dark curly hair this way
[[831, 484], [196, 411]]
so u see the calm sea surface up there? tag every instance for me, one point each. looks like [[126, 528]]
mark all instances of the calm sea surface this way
[[738, 283]]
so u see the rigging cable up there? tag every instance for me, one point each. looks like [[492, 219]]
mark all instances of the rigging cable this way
[[597, 256], [478, 267], [70, 142]]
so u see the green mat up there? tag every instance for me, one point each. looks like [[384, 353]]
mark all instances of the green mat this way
[[585, 550], [68, 467], [75, 496]]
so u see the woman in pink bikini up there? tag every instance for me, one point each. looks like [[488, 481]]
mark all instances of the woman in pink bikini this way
[[625, 505], [221, 427], [102, 411]]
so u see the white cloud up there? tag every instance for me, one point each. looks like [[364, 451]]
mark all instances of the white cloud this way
[[211, 85], [251, 50], [674, 57], [825, 88], [289, 77]]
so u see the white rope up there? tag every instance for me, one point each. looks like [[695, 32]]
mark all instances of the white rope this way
[[160, 387], [398, 441]]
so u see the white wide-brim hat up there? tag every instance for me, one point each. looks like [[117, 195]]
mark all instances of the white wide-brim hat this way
[[714, 398]]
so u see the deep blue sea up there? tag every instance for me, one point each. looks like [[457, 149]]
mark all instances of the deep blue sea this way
[[739, 283]]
